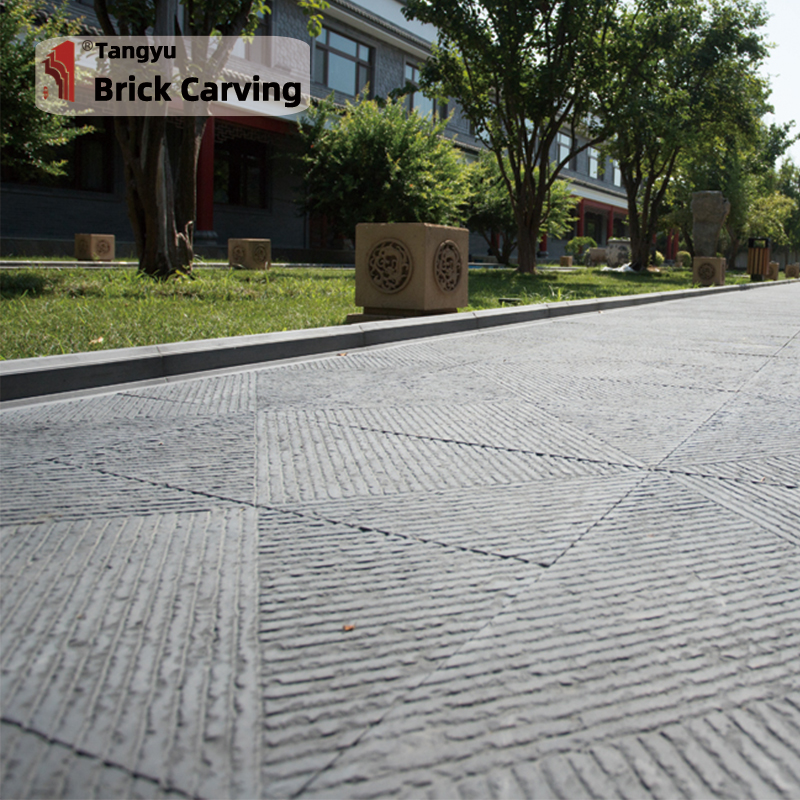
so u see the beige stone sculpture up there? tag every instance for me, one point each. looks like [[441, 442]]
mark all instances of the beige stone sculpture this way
[[408, 268], [94, 246], [774, 270], [709, 210], [250, 253], [618, 252]]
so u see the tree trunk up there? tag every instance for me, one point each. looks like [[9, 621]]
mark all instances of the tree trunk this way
[[527, 244], [527, 236], [640, 253], [161, 204], [640, 249], [161, 209]]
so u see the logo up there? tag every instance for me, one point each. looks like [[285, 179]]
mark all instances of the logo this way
[[161, 75], [60, 65]]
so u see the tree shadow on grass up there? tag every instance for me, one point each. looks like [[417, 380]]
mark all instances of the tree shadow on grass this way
[[23, 284]]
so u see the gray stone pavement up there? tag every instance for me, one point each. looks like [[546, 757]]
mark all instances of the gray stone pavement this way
[[557, 559]]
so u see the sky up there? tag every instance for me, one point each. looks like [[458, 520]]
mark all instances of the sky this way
[[783, 65]]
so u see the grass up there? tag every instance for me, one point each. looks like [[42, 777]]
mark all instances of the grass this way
[[57, 311]]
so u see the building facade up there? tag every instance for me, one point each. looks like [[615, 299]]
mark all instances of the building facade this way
[[246, 185]]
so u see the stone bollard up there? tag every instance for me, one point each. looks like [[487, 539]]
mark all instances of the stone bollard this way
[[411, 268], [773, 271], [708, 271], [597, 255], [792, 271], [565, 261], [94, 247], [250, 253]]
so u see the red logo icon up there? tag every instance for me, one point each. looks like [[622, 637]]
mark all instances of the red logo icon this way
[[60, 65]]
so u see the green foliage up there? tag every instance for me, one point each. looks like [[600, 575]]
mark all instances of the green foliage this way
[[685, 71], [576, 245], [769, 217], [313, 10], [30, 138], [490, 209], [740, 164], [373, 162], [657, 259], [521, 73], [788, 184], [683, 259], [558, 217]]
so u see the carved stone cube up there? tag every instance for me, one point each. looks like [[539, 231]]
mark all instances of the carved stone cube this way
[[793, 271], [411, 266], [774, 270], [566, 261], [597, 255], [94, 247], [708, 271], [250, 253]]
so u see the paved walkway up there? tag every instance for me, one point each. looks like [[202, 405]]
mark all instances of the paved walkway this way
[[558, 559]]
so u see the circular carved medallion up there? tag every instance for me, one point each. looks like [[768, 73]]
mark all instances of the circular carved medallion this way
[[103, 247], [448, 265], [706, 272], [238, 254], [260, 253], [389, 265]]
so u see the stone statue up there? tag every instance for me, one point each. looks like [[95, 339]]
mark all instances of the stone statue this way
[[709, 209]]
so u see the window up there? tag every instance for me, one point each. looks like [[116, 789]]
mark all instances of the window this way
[[594, 163], [252, 48], [89, 162], [341, 63], [241, 173], [91, 167], [616, 175], [564, 141], [416, 100]]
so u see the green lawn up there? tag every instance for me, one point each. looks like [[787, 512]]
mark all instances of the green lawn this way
[[55, 311]]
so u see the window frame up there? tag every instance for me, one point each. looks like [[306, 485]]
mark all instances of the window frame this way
[[238, 153], [438, 110], [564, 140], [594, 163], [322, 52]]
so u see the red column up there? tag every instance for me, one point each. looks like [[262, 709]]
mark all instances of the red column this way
[[581, 217], [205, 180], [543, 244]]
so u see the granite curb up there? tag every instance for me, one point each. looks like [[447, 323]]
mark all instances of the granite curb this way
[[52, 375]]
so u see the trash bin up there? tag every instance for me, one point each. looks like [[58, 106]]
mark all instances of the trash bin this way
[[757, 259]]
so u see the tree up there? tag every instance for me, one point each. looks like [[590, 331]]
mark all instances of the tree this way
[[684, 71], [31, 139], [374, 162], [788, 183], [769, 217], [491, 212], [740, 164], [522, 72], [161, 171]]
